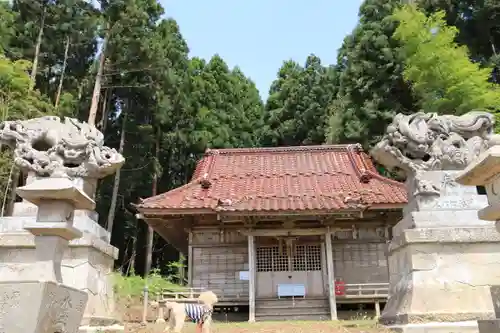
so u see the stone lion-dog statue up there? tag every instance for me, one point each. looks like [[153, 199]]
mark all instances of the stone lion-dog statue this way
[[175, 313]]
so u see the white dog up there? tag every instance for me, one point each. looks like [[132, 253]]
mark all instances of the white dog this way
[[200, 313]]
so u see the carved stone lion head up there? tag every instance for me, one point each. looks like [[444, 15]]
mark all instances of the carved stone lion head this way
[[51, 147], [427, 141]]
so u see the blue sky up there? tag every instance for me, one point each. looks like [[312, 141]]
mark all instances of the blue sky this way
[[258, 35]]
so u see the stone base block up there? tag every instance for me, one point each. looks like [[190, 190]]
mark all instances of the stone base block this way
[[25, 212], [34, 307], [87, 265], [489, 326], [102, 329], [99, 321], [442, 275], [437, 327]]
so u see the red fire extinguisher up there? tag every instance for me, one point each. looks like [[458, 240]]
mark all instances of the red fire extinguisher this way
[[339, 287]]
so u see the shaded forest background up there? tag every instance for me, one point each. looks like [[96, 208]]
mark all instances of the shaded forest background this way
[[162, 108]]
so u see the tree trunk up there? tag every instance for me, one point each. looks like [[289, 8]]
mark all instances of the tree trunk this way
[[131, 264], [116, 184], [6, 193], [154, 191], [61, 79], [34, 68], [14, 183], [105, 110], [97, 86]]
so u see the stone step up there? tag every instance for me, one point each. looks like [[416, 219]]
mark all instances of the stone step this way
[[102, 329], [287, 303], [290, 306], [284, 316], [292, 311]]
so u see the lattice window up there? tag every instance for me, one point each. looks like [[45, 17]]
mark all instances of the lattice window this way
[[271, 259], [299, 260], [307, 258], [350, 257], [217, 269]]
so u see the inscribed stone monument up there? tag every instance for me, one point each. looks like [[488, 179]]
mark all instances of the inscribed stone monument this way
[[442, 258]]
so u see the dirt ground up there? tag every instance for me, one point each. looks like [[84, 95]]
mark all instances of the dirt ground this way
[[131, 314], [271, 327]]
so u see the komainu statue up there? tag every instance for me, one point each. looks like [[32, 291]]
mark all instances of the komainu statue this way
[[51, 147], [428, 142]]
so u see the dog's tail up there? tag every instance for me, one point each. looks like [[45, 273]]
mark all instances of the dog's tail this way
[[208, 298]]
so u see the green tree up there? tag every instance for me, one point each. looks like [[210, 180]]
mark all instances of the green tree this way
[[371, 85], [7, 18], [17, 101], [440, 71], [296, 109], [161, 109], [72, 23], [478, 24]]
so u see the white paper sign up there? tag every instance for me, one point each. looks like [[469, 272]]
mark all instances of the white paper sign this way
[[244, 275]]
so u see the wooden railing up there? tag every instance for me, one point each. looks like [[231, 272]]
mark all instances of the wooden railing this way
[[182, 294], [191, 295], [366, 290], [377, 292], [352, 291]]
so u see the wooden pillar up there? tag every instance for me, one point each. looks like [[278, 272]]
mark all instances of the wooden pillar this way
[[377, 309], [251, 278], [190, 260], [331, 276]]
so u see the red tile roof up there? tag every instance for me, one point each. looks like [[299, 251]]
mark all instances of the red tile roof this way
[[306, 178]]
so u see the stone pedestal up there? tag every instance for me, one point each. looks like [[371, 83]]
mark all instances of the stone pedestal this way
[[53, 152], [40, 307], [485, 171], [442, 259], [34, 298], [87, 264]]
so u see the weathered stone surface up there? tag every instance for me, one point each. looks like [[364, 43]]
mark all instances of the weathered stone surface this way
[[495, 295], [63, 159], [485, 171], [437, 327], [489, 326], [442, 259], [114, 328], [52, 152], [40, 307], [428, 141], [492, 325], [33, 298], [85, 221], [51, 147], [87, 265], [436, 277]]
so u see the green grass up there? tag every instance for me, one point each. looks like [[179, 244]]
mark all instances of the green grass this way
[[133, 286]]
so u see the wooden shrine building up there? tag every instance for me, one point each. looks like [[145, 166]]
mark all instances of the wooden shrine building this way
[[279, 230]]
